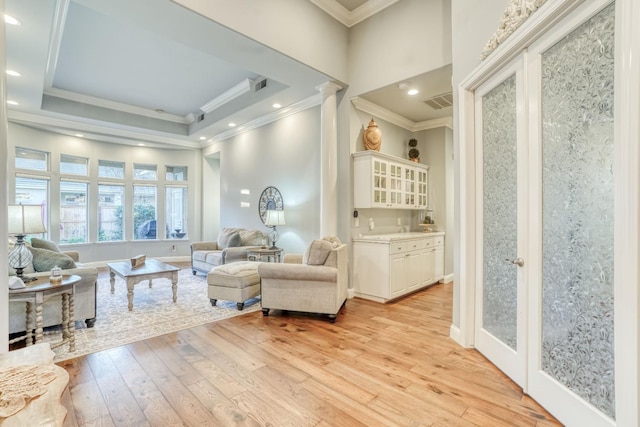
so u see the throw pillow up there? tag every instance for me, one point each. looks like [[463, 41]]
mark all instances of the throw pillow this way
[[234, 241], [44, 244], [224, 236], [318, 252], [334, 240], [45, 260]]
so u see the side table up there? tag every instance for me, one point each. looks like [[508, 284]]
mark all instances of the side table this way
[[271, 255], [34, 295]]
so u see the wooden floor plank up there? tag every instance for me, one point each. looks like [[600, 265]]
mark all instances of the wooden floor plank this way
[[377, 365]]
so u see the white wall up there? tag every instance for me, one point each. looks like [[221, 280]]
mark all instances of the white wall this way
[[472, 25], [284, 154], [289, 27], [404, 40], [56, 144]]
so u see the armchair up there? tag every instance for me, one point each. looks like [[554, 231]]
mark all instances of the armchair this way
[[315, 283]]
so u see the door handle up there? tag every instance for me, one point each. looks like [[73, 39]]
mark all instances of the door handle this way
[[518, 261]]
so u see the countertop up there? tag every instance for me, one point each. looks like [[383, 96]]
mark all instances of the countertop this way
[[392, 237]]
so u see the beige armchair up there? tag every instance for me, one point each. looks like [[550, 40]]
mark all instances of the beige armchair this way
[[317, 283]]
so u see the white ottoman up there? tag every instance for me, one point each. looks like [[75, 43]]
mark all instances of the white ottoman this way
[[237, 282]]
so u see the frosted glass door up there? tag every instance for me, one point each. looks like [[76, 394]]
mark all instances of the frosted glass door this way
[[502, 206], [572, 370]]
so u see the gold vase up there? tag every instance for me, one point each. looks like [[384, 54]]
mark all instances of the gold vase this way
[[372, 137]]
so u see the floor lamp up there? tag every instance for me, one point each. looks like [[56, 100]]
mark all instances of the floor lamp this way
[[23, 220]]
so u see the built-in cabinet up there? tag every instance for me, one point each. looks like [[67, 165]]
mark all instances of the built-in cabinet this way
[[389, 266], [383, 181]]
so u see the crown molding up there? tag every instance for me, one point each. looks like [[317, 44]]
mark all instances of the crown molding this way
[[96, 131], [398, 120], [112, 105], [351, 18], [59, 19], [305, 104], [230, 94]]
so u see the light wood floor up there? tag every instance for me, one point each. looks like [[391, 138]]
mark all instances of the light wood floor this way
[[378, 365]]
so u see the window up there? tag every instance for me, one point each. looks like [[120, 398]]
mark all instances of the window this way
[[176, 173], [176, 211], [73, 165], [108, 169], [34, 191], [144, 212], [73, 212], [145, 172], [110, 212], [32, 159]]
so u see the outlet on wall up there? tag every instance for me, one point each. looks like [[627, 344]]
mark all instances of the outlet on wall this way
[[173, 248]]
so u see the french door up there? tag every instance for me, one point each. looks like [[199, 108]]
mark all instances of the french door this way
[[545, 217]]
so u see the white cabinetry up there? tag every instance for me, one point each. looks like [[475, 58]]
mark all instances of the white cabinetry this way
[[389, 266], [383, 181]]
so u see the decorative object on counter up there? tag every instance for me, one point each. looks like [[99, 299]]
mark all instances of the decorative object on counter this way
[[414, 153], [23, 220], [372, 136], [138, 261], [429, 221]]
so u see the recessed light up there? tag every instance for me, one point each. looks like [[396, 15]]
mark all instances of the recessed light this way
[[232, 125], [202, 138], [13, 73], [276, 105], [11, 20], [79, 135], [12, 102], [141, 145], [413, 92]]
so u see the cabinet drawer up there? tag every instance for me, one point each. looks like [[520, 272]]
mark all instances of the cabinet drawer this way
[[438, 241], [414, 245], [397, 247], [428, 243]]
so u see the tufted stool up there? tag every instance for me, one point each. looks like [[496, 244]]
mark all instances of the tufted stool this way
[[237, 282]]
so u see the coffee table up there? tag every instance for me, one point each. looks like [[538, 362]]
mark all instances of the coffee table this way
[[151, 269]]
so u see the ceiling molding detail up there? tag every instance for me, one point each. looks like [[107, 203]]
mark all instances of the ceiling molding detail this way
[[349, 19], [398, 120], [112, 105], [59, 19], [305, 104], [230, 94], [99, 132]]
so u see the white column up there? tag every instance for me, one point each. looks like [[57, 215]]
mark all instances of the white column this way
[[328, 160], [4, 296]]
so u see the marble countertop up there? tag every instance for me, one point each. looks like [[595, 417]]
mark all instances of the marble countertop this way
[[392, 237]]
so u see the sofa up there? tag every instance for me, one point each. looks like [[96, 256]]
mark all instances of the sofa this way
[[314, 283], [231, 246], [46, 255]]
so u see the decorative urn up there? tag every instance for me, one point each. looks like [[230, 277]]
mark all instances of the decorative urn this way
[[372, 137]]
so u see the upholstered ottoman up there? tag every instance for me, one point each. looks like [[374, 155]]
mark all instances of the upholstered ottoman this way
[[237, 282]]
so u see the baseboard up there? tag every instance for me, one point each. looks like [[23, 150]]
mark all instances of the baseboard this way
[[454, 334], [350, 293], [447, 278]]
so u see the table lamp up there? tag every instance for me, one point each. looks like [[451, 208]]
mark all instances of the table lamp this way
[[274, 219], [23, 220]]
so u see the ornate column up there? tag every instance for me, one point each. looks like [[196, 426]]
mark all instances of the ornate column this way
[[328, 160]]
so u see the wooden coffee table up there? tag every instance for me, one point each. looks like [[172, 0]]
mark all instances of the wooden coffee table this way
[[151, 269]]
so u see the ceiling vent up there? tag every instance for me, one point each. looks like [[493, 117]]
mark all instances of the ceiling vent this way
[[441, 101], [260, 84]]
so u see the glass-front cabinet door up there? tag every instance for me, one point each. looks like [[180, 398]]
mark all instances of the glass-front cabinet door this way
[[409, 187], [395, 184], [421, 188], [380, 187]]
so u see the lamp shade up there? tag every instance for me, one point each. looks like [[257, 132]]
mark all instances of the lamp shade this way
[[274, 218], [25, 219]]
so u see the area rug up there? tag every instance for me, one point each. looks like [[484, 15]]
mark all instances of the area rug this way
[[154, 313]]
